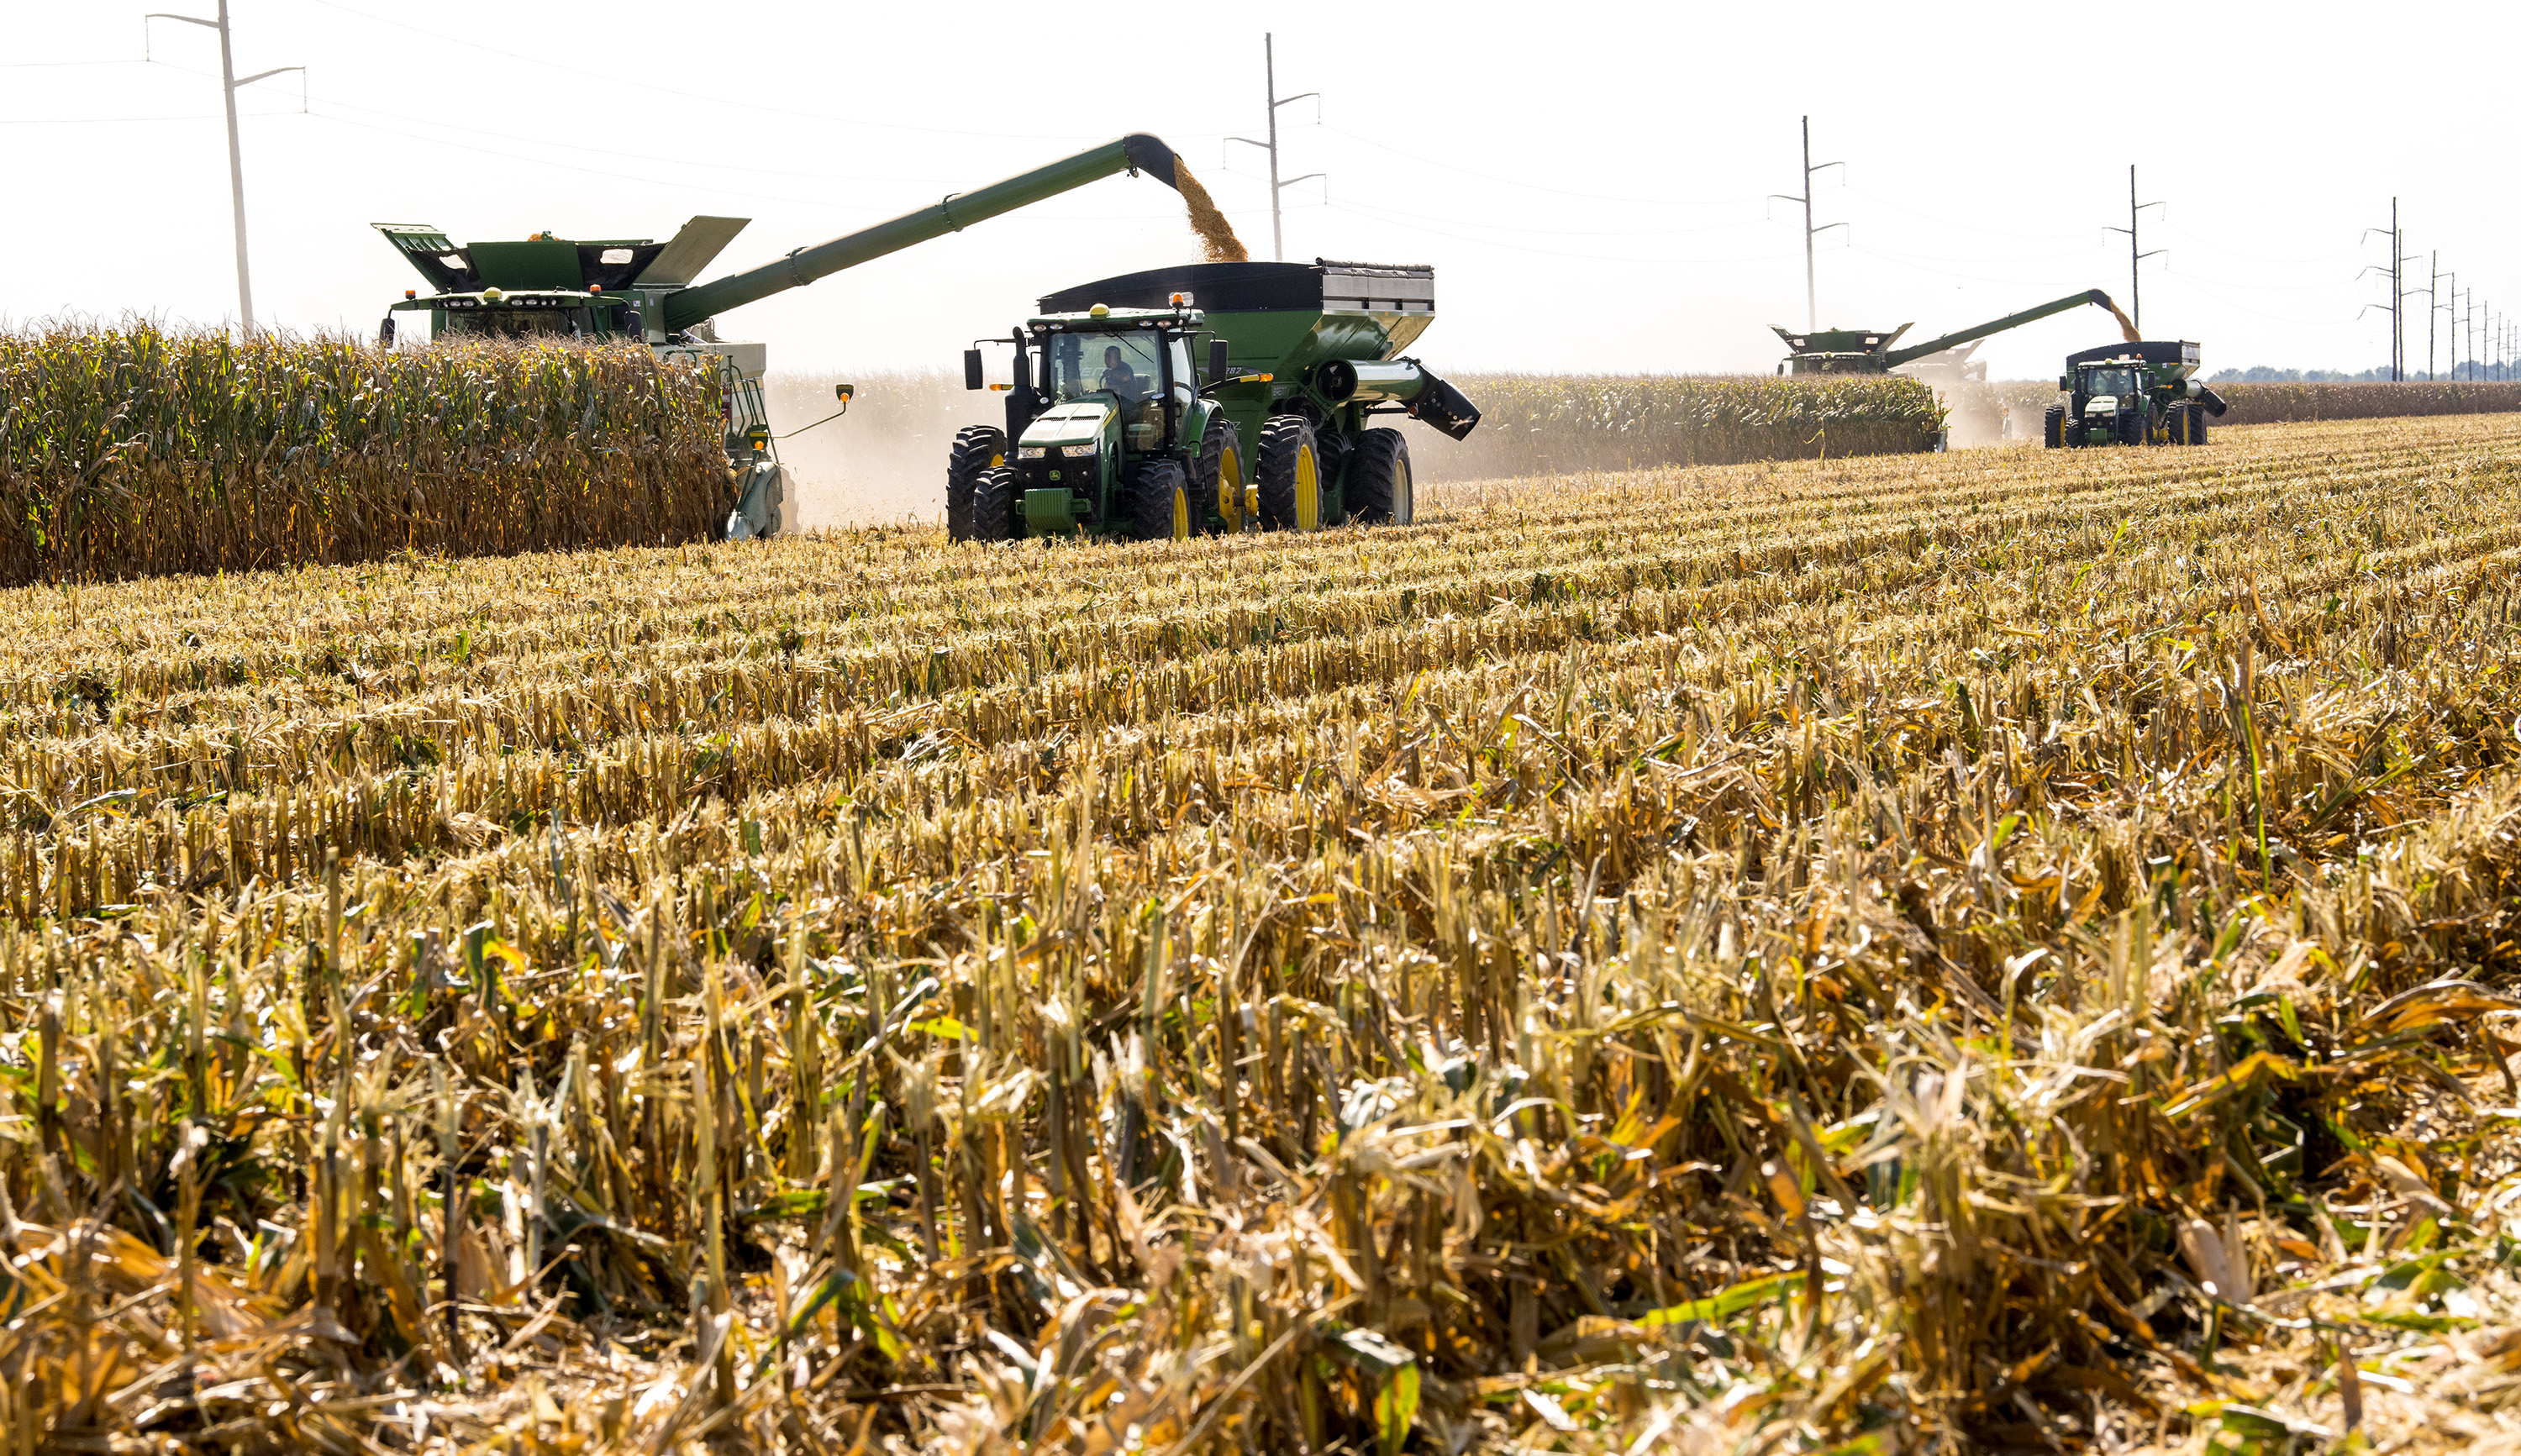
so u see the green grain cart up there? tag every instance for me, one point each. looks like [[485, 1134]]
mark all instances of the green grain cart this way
[[635, 288], [1206, 398]]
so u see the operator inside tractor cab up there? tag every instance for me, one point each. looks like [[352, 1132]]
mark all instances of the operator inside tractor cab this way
[[1119, 378]]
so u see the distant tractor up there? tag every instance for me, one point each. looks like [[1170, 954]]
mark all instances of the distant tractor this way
[[2138, 393], [1206, 398]]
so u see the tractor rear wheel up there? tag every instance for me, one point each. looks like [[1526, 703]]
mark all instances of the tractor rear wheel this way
[[976, 448], [1160, 501], [1219, 484], [1379, 488], [1291, 475], [2053, 425], [996, 498]]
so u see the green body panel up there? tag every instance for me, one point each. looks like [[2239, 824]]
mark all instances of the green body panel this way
[[527, 265]]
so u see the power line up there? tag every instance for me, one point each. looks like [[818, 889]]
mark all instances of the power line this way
[[749, 105]]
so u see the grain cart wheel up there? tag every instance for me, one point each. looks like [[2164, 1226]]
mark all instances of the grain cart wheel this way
[[995, 498], [977, 447], [2052, 427], [1291, 475], [2175, 424], [1160, 501], [2131, 428], [2196, 426], [1378, 479], [1336, 450], [1220, 481]]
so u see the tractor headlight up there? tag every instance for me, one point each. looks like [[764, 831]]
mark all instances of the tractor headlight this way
[[1029, 452], [1079, 452]]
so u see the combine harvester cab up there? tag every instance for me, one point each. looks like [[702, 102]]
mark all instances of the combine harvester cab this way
[[635, 289], [2143, 393], [1206, 398]]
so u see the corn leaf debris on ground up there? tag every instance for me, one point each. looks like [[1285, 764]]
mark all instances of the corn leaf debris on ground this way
[[2010, 949]]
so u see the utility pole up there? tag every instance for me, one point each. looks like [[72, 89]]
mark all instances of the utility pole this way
[[1269, 74], [2399, 255], [2433, 311], [1812, 295], [2135, 254], [228, 84]]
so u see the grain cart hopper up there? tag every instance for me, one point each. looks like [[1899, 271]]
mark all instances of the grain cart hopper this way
[[1205, 397], [633, 288], [2138, 393]]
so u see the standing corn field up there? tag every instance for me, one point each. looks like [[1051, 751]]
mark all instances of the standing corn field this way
[[1876, 952], [135, 451]]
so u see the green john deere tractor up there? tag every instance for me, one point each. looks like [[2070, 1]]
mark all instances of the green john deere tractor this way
[[2139, 394], [1208, 397]]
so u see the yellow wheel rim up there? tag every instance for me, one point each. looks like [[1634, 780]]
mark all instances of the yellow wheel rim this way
[[1229, 489], [1181, 514], [1404, 497], [1308, 492]]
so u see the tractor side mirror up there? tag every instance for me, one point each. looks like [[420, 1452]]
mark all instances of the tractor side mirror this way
[[2065, 384], [972, 369], [385, 333], [634, 325], [1217, 365]]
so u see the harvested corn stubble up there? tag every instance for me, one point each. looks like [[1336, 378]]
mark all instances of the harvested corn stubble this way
[[2012, 951]]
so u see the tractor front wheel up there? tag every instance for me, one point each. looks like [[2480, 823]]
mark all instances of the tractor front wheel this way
[[1291, 475], [996, 496], [976, 448], [1160, 501], [1379, 488], [2053, 425]]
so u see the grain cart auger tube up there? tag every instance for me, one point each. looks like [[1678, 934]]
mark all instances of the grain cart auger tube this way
[[1206, 398], [633, 288], [2144, 392]]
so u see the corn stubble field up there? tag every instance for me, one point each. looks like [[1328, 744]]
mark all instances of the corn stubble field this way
[[1927, 953]]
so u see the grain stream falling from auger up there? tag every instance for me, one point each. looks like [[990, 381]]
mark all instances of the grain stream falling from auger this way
[[2127, 326], [1216, 241]]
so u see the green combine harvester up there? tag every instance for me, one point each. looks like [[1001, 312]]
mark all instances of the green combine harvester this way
[[634, 287], [2142, 393], [1206, 398], [1943, 363]]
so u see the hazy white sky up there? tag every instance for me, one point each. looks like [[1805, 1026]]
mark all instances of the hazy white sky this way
[[1588, 180]]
